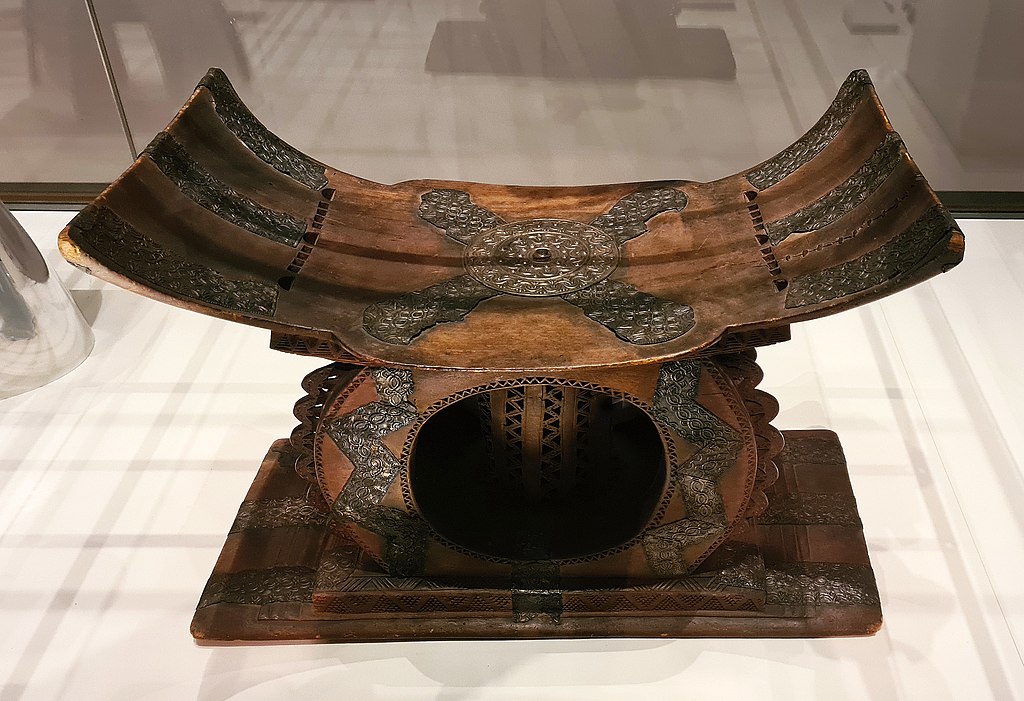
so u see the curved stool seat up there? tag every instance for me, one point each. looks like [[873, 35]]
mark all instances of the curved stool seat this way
[[220, 216]]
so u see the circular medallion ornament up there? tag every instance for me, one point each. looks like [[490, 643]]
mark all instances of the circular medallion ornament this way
[[541, 257]]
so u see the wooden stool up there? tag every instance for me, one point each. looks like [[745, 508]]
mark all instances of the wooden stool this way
[[540, 416]]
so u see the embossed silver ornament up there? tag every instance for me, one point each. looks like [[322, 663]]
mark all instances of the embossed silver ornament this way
[[718, 444], [538, 258], [541, 257]]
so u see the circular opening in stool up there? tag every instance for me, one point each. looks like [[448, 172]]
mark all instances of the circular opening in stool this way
[[535, 472]]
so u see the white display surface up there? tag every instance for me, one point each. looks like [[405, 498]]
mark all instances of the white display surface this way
[[118, 484]]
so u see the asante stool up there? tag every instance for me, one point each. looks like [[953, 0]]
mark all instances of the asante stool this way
[[540, 416]]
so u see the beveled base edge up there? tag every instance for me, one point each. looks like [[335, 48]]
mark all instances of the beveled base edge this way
[[244, 626], [783, 537]]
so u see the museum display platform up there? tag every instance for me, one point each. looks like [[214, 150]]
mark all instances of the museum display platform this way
[[124, 476]]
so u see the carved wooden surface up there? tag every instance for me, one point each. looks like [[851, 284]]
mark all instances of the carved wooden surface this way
[[221, 216], [663, 489], [802, 571]]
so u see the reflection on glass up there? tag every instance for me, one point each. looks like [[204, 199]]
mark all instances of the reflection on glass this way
[[58, 121], [975, 93], [159, 50], [872, 17], [529, 91], [581, 39]]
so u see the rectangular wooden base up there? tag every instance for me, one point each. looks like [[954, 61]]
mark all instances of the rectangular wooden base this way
[[801, 571]]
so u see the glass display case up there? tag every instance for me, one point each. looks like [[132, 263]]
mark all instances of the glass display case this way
[[119, 481]]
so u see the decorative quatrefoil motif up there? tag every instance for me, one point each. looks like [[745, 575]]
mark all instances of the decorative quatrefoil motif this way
[[538, 258]]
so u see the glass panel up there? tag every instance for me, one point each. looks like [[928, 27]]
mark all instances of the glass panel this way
[[58, 121], [578, 91]]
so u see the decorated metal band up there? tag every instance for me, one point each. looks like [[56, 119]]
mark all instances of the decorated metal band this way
[[562, 258]]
